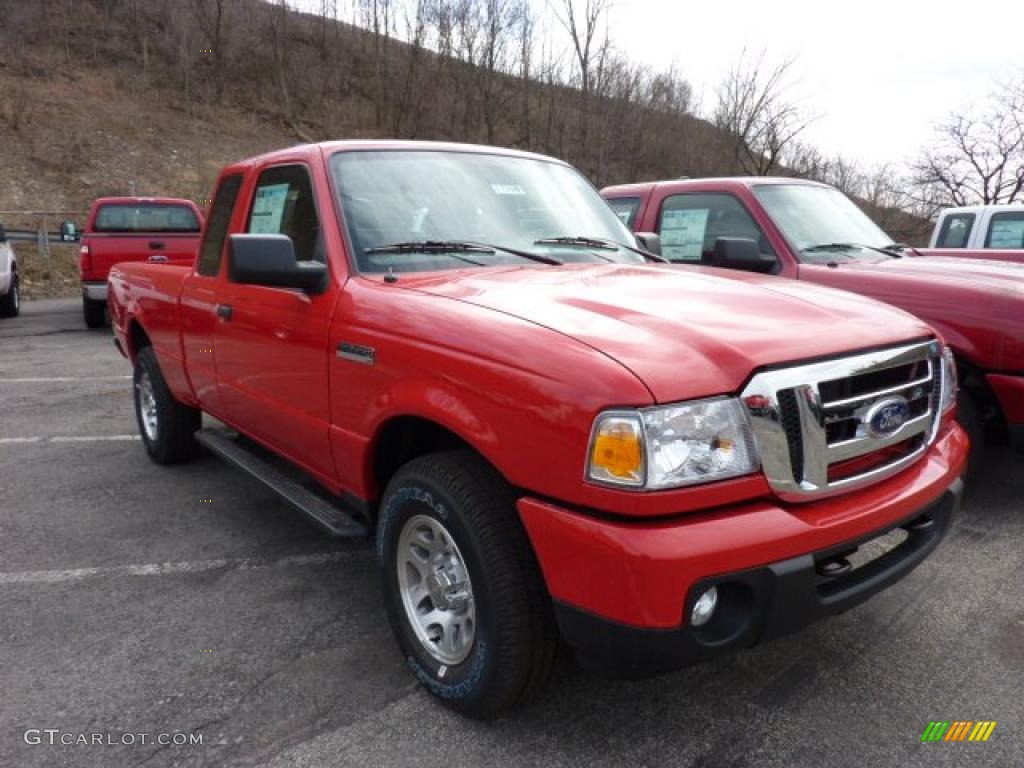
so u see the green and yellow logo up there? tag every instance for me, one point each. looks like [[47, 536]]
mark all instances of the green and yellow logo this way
[[958, 730]]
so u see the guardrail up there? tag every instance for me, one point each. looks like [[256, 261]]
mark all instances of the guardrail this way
[[48, 270]]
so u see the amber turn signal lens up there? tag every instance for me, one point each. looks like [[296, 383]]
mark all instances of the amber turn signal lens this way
[[617, 454]]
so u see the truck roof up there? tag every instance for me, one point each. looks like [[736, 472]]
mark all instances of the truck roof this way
[[981, 208], [330, 147], [726, 181], [138, 199]]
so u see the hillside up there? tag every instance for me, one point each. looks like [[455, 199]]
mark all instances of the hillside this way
[[148, 97]]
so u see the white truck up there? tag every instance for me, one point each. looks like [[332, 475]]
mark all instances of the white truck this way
[[980, 232], [10, 290]]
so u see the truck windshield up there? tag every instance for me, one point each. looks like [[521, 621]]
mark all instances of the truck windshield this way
[[822, 223], [145, 217], [401, 206]]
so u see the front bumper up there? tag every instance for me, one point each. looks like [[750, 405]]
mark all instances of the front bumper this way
[[95, 291], [623, 590]]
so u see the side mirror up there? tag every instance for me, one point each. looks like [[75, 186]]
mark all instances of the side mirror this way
[[649, 241], [270, 260], [68, 233], [741, 253]]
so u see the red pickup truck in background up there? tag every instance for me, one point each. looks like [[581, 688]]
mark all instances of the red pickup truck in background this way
[[813, 233], [462, 350], [156, 229]]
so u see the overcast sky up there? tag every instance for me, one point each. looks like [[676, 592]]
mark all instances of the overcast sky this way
[[879, 74]]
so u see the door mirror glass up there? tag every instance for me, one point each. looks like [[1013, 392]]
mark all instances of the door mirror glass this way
[[270, 260], [741, 253]]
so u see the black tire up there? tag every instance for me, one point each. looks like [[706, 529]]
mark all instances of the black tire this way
[[10, 302], [968, 413], [173, 439], [95, 312], [516, 638]]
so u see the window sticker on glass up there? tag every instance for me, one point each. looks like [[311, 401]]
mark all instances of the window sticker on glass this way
[[1006, 233], [267, 209], [682, 234], [507, 189]]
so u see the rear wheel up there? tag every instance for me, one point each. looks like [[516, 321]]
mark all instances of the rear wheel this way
[[464, 592], [10, 302], [167, 427], [94, 312]]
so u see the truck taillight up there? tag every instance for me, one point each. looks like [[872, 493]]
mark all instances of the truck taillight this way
[[85, 258]]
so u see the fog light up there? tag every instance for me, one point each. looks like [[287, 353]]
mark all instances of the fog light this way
[[704, 607]]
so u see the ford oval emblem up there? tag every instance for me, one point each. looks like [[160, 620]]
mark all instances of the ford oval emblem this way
[[886, 417]]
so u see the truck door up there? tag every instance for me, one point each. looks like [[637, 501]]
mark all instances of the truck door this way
[[198, 307], [271, 343]]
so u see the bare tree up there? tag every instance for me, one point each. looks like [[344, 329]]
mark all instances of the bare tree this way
[[583, 19], [977, 157], [211, 18], [754, 108]]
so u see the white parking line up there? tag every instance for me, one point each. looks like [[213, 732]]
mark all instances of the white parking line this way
[[63, 379], [69, 439], [91, 438], [163, 569]]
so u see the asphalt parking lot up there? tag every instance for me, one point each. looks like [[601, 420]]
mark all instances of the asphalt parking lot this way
[[139, 599]]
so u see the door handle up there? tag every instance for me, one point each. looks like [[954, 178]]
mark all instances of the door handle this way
[[156, 245], [224, 311], [157, 257]]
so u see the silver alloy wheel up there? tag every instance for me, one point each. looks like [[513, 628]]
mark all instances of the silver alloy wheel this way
[[436, 591], [147, 406]]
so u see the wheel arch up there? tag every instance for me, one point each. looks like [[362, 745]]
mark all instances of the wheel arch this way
[[403, 437], [136, 338]]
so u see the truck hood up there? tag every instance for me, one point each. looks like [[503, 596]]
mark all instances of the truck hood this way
[[684, 331], [1001, 276]]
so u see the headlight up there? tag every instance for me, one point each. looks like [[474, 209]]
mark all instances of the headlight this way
[[949, 381], [672, 446]]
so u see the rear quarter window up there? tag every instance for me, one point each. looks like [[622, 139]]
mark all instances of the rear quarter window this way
[[1006, 231], [145, 217], [626, 208]]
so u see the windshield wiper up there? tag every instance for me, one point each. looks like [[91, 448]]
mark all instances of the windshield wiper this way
[[455, 247], [888, 250], [599, 242]]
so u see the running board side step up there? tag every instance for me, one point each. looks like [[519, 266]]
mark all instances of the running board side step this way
[[329, 516]]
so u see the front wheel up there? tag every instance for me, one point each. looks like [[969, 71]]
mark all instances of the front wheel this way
[[167, 427], [968, 413], [464, 592]]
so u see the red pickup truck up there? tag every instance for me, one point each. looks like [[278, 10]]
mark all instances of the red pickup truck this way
[[812, 232], [463, 351], [156, 229]]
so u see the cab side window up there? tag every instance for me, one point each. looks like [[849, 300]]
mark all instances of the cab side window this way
[[283, 204], [689, 224], [626, 209], [217, 225], [955, 231]]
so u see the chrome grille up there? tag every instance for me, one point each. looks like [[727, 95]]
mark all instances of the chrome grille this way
[[811, 420]]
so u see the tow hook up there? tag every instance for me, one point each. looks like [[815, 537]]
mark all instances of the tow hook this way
[[834, 566]]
